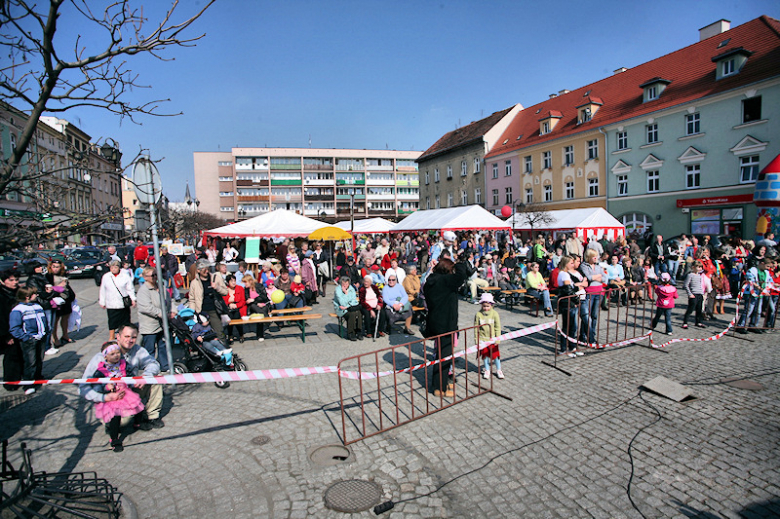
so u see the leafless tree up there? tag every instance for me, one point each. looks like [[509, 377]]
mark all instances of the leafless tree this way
[[533, 215], [187, 224], [40, 74]]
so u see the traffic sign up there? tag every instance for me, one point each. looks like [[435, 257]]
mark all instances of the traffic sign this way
[[147, 181]]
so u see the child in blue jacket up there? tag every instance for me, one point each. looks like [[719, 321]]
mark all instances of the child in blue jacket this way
[[30, 327]]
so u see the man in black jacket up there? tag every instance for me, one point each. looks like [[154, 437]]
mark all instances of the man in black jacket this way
[[349, 269], [13, 359]]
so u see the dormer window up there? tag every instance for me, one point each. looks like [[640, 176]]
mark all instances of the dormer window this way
[[654, 88], [588, 109], [548, 122], [730, 62]]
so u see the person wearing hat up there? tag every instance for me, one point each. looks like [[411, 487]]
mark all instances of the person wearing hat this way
[[205, 288], [351, 270], [666, 293], [489, 324], [448, 238]]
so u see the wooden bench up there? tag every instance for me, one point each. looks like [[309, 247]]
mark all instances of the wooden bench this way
[[415, 310], [289, 311], [299, 319], [511, 297]]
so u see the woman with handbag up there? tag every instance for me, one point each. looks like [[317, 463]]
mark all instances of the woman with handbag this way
[[117, 296]]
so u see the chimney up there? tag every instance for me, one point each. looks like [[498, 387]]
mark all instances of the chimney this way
[[619, 70], [553, 96], [714, 29], [564, 91]]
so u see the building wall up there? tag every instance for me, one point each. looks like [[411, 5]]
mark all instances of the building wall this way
[[721, 130], [455, 186], [579, 172]]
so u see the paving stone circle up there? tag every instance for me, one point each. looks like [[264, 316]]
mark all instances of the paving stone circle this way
[[328, 455], [354, 495]]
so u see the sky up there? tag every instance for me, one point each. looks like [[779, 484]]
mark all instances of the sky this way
[[368, 74]]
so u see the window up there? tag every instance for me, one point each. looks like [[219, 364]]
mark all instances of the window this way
[[221, 193], [593, 186], [692, 124], [495, 170], [692, 177], [651, 93], [546, 160], [438, 202], [622, 140], [463, 170], [751, 109], [449, 199], [545, 127], [427, 179], [508, 168], [748, 169], [495, 197], [427, 203], [653, 181], [548, 193], [478, 196], [464, 198], [449, 171], [593, 149], [508, 195], [226, 209], [529, 164], [226, 179], [622, 185], [436, 175], [569, 190], [476, 165], [568, 155], [224, 163], [652, 133], [529, 195], [728, 67]]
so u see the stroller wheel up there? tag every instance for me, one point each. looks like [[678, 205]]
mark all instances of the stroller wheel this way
[[179, 368], [239, 365], [222, 385]]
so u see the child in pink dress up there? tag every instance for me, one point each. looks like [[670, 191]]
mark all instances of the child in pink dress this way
[[119, 400]]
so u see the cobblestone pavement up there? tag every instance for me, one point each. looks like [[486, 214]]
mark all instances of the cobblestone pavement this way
[[564, 446]]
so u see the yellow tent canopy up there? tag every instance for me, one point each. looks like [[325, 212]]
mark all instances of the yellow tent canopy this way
[[330, 233]]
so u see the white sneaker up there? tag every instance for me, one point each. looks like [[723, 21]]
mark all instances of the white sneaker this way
[[579, 353], [29, 391], [500, 374], [486, 374], [225, 352], [261, 339], [51, 351]]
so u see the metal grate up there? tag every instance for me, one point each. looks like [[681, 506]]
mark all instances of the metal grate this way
[[352, 496]]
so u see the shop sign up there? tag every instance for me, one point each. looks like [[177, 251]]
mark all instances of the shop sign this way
[[715, 200]]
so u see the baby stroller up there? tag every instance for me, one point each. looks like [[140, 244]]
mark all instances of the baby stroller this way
[[196, 357]]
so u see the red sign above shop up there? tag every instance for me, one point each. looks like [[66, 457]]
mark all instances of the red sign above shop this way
[[715, 200]]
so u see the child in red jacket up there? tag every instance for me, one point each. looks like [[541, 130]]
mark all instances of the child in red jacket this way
[[666, 293]]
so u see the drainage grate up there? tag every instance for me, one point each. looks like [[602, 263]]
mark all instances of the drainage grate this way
[[261, 440], [353, 496], [330, 455], [741, 383]]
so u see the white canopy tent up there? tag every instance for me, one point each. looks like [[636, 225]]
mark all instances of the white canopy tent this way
[[586, 222], [368, 226], [274, 224], [469, 217]]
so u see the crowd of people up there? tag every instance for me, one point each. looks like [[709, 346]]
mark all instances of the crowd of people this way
[[378, 284]]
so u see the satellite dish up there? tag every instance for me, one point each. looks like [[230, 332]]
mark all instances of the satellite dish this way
[[147, 181]]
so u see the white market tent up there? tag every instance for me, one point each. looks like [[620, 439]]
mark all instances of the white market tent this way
[[274, 224], [368, 226], [469, 217], [586, 222]]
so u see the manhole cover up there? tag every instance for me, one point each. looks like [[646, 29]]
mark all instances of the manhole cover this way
[[261, 440], [352, 496], [751, 385], [330, 455]]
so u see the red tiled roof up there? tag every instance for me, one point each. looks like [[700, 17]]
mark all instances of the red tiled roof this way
[[691, 74], [465, 135], [552, 113]]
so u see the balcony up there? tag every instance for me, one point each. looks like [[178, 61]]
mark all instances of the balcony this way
[[319, 198], [402, 196], [285, 199], [318, 167], [379, 168], [253, 198], [281, 167], [318, 181], [349, 197], [286, 182], [318, 212], [407, 168], [384, 196], [380, 181]]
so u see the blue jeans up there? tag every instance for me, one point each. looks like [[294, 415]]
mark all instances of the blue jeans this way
[[153, 341], [667, 313], [287, 302], [672, 266], [591, 319], [568, 317], [497, 361], [544, 295], [772, 302], [752, 310], [49, 319], [170, 283]]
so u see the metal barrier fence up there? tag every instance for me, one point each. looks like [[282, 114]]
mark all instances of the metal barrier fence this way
[[584, 323], [392, 386]]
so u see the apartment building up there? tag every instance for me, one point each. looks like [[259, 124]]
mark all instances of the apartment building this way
[[318, 183]]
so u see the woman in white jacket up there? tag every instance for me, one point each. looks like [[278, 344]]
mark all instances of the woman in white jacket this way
[[114, 287]]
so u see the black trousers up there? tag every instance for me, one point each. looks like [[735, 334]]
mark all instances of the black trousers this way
[[694, 303], [441, 371]]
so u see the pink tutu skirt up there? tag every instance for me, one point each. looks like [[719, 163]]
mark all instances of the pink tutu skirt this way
[[130, 405]]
